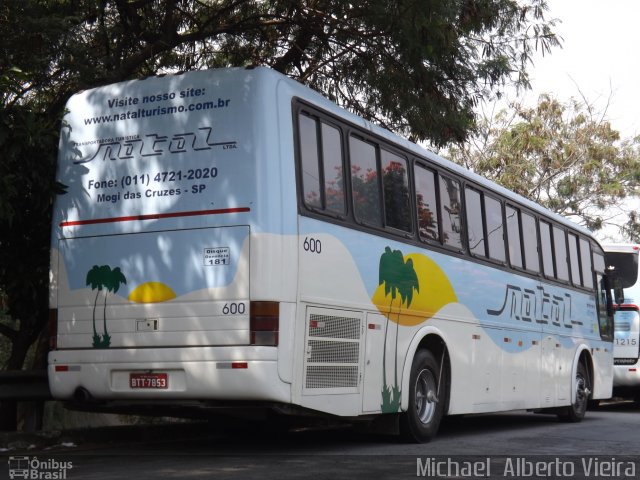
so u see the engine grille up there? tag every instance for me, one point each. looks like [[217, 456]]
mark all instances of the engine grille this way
[[332, 350]]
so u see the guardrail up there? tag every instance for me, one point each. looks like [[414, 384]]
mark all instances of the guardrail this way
[[24, 385]]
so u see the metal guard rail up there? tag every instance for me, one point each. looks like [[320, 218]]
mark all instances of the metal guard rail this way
[[24, 385]]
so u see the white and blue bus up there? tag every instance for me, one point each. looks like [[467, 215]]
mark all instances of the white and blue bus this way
[[622, 260], [232, 238]]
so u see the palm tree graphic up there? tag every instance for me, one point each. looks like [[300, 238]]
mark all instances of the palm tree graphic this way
[[103, 278], [399, 279]]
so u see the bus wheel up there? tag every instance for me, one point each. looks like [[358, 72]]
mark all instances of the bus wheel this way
[[426, 400], [576, 411]]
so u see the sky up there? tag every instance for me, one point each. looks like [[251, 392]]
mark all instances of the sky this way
[[600, 57]]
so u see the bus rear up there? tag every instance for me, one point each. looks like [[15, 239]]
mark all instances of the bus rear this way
[[163, 277], [623, 260]]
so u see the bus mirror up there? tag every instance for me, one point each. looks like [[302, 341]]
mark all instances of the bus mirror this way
[[618, 291], [619, 295]]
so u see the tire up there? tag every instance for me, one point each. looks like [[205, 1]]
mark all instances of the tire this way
[[427, 399], [577, 410]]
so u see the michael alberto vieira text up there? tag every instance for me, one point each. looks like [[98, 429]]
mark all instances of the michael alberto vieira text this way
[[520, 467]]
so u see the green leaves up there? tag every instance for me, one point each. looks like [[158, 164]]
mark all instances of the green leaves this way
[[398, 276], [565, 156], [99, 278]]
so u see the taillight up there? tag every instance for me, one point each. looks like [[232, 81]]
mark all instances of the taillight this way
[[264, 323], [53, 328]]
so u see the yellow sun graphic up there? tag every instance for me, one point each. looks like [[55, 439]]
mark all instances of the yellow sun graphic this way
[[435, 291], [151, 292]]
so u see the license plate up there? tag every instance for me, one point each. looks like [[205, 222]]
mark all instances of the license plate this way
[[149, 380]]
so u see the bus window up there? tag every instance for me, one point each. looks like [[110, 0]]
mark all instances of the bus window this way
[[333, 170], [426, 204], [513, 236], [573, 260], [475, 230], [547, 252], [585, 261], [605, 321], [322, 172], [309, 155], [495, 228], [364, 182], [560, 245], [450, 212], [395, 181], [530, 240]]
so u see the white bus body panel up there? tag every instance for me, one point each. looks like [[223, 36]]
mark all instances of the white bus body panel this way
[[165, 222]]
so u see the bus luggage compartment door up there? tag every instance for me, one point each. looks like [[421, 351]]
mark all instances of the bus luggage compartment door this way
[[167, 288]]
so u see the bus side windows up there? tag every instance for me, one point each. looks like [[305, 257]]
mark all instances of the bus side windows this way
[[495, 228], [603, 295], [585, 261], [574, 261], [332, 160], [547, 252], [310, 161], [426, 204], [530, 242], [485, 227], [560, 249], [475, 229], [513, 237], [365, 182], [450, 212], [395, 181], [321, 165]]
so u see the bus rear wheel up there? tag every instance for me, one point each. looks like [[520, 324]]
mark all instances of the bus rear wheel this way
[[577, 410], [419, 424]]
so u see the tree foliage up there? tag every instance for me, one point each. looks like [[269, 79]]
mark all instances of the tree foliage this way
[[564, 156], [416, 67]]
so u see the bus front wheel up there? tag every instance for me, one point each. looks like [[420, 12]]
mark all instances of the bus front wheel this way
[[426, 399], [576, 411]]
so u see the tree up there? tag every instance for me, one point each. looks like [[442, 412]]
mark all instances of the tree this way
[[564, 156], [418, 68], [399, 279], [28, 141], [114, 279], [100, 278]]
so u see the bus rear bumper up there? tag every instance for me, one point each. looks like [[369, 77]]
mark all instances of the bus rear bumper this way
[[201, 373], [626, 375]]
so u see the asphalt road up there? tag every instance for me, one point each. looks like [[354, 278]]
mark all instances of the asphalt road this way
[[606, 444]]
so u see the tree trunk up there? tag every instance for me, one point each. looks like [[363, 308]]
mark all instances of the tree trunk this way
[[9, 408]]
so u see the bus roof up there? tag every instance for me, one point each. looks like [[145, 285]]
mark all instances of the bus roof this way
[[305, 93], [621, 247]]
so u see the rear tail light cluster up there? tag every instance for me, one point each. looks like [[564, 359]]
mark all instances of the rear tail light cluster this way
[[264, 323]]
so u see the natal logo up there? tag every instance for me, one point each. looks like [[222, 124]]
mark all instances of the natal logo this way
[[151, 145], [411, 289]]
